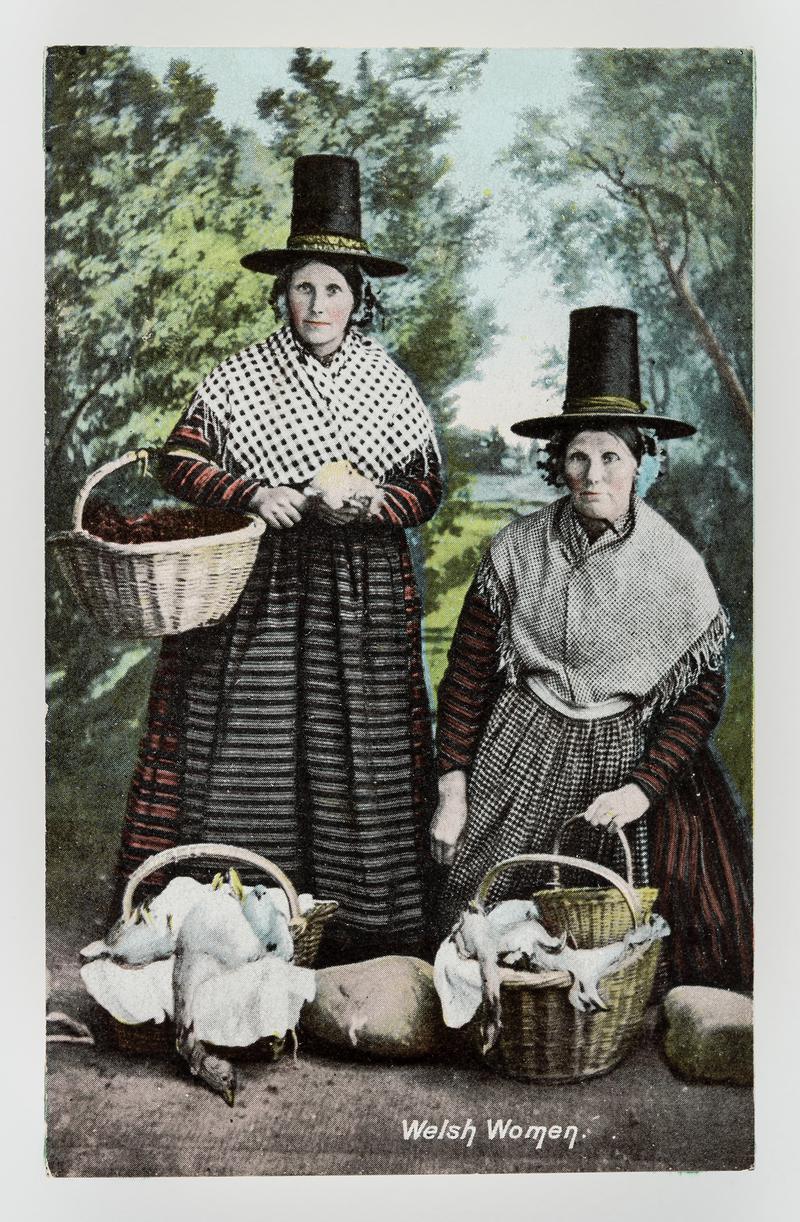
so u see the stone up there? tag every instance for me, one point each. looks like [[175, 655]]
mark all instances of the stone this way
[[709, 1035], [386, 1007]]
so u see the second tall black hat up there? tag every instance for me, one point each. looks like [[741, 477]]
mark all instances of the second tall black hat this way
[[602, 378], [326, 219]]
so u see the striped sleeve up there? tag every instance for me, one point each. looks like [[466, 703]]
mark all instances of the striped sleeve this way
[[468, 688], [411, 493], [199, 479], [678, 736]]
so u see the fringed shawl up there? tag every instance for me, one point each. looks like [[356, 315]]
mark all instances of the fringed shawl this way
[[633, 614], [281, 414]]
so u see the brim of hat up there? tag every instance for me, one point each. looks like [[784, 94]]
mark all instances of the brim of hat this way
[[547, 426], [273, 261]]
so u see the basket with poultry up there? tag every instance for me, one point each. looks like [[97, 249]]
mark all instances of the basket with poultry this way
[[208, 969], [554, 987]]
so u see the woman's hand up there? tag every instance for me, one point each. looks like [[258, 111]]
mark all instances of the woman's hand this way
[[340, 517], [618, 807], [376, 504], [450, 818], [279, 507]]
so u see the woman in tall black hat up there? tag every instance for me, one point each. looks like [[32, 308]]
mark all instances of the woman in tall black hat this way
[[586, 676], [299, 727]]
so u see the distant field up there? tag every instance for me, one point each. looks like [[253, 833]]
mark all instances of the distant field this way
[[479, 527], [734, 733]]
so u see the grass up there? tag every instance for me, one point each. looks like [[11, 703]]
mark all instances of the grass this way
[[478, 526]]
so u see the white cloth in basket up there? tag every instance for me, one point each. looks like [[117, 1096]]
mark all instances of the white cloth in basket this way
[[247, 989], [524, 943]]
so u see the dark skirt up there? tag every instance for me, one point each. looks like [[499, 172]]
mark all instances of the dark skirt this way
[[299, 728], [701, 854], [535, 767]]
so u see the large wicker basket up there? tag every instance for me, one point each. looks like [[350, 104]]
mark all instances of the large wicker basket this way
[[306, 930], [154, 589], [543, 1038]]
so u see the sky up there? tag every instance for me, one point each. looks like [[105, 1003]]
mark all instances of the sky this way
[[529, 310]]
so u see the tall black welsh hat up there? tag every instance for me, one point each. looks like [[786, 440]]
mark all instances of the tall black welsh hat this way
[[326, 219], [602, 379]]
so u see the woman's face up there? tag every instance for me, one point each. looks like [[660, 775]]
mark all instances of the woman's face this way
[[320, 304], [599, 470]]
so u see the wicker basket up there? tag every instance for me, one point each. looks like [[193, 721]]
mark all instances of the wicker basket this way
[[306, 930], [543, 1038], [154, 589]]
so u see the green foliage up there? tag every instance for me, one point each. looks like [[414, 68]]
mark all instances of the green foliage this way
[[641, 196], [478, 451], [146, 221]]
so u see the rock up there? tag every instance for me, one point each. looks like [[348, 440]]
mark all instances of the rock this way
[[385, 1007], [709, 1034]]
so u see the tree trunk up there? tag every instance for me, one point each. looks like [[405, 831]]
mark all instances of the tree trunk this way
[[719, 358]]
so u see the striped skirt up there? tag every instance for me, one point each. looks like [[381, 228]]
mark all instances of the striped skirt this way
[[299, 728]]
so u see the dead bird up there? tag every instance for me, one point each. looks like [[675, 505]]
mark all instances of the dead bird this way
[[587, 966], [215, 938], [143, 938], [474, 938], [268, 923], [149, 934]]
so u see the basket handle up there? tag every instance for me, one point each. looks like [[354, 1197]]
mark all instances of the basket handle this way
[[626, 848], [628, 893], [190, 852], [100, 474]]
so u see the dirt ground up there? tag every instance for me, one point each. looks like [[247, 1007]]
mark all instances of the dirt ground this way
[[111, 1114]]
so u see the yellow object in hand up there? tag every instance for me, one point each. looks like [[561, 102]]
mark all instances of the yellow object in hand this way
[[339, 483]]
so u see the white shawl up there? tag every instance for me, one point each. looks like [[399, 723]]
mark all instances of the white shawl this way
[[279, 414], [632, 615]]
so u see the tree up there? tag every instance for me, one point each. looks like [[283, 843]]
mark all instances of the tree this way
[[146, 221], [651, 171]]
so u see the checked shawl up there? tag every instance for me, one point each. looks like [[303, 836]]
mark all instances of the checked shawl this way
[[279, 415], [633, 614]]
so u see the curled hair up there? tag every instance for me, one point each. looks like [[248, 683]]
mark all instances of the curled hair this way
[[555, 451], [363, 297]]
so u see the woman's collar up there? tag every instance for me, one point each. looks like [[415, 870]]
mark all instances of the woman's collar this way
[[619, 528], [306, 356], [573, 532]]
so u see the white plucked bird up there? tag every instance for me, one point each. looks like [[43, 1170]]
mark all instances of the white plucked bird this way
[[143, 938], [269, 924], [466, 969], [587, 966], [219, 967], [150, 932], [214, 938]]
